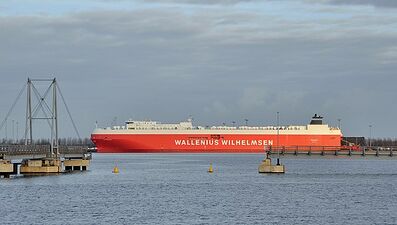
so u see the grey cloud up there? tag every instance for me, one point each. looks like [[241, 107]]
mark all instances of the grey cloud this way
[[205, 2], [192, 2], [219, 66], [376, 3]]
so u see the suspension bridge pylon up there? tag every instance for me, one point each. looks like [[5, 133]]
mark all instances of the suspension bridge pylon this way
[[49, 111]]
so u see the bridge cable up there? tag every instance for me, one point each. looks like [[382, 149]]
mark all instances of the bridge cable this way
[[12, 107], [70, 115]]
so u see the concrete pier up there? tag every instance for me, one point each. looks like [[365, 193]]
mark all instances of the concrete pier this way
[[76, 164], [6, 168], [41, 166], [267, 167], [36, 160]]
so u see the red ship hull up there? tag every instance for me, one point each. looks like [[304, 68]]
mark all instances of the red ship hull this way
[[207, 143]]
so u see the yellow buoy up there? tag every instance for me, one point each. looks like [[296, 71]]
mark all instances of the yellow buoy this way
[[115, 170], [210, 170]]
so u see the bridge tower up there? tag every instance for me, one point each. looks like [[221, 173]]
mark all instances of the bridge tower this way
[[50, 114]]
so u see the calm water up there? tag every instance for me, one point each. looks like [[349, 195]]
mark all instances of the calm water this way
[[176, 189]]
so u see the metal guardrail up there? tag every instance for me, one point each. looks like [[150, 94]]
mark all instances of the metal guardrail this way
[[40, 149], [302, 148], [334, 150], [330, 148], [73, 149]]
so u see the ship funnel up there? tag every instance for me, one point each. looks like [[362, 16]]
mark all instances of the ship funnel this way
[[316, 120]]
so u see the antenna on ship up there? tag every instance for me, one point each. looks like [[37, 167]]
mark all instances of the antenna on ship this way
[[114, 121]]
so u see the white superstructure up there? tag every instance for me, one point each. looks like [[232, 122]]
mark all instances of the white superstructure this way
[[152, 127]]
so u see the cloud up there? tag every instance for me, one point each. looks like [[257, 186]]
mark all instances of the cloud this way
[[376, 3], [205, 2], [389, 55], [217, 64]]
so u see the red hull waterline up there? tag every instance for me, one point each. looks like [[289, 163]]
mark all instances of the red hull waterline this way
[[208, 143]]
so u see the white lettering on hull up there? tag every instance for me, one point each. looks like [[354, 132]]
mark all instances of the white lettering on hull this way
[[196, 142], [206, 142]]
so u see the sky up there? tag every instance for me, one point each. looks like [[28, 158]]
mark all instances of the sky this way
[[217, 61]]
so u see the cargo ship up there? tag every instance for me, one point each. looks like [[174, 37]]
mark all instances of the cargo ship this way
[[183, 137]]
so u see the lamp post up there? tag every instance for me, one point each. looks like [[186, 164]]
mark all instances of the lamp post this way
[[17, 132], [246, 122], [278, 128], [6, 129], [339, 126], [13, 133], [370, 134]]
